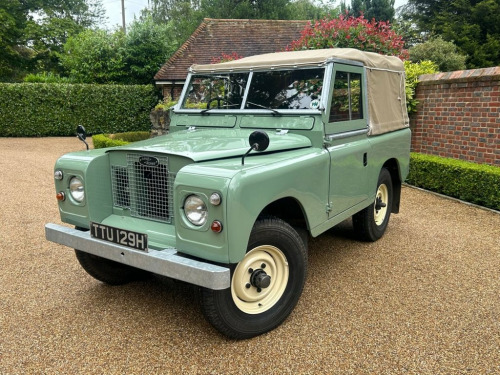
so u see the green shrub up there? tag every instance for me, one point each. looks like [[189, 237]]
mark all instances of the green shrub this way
[[37, 109], [470, 182], [412, 72], [46, 78], [441, 52], [120, 139]]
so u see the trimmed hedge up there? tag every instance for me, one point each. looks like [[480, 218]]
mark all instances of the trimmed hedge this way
[[46, 109], [475, 183], [120, 139]]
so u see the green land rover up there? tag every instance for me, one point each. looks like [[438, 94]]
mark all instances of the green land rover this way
[[262, 153]]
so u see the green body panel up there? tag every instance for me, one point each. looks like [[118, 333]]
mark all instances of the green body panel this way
[[91, 166], [394, 145], [282, 122], [207, 144], [349, 175], [247, 190]]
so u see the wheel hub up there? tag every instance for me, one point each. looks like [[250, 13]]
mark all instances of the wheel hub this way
[[260, 279], [379, 204]]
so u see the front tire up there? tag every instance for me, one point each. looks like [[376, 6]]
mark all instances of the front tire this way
[[108, 271], [265, 285], [370, 224]]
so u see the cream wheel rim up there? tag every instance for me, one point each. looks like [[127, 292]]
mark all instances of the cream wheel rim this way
[[381, 200], [260, 279]]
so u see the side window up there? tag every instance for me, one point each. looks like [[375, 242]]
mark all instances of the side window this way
[[346, 99]]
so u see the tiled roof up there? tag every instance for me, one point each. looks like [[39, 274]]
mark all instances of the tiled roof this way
[[216, 36]]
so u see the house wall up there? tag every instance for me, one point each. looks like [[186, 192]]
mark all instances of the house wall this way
[[172, 92], [458, 115]]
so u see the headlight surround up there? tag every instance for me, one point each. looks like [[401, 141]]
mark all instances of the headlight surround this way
[[195, 210], [76, 189]]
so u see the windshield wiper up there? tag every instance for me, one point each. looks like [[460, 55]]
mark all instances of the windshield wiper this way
[[204, 111], [275, 112]]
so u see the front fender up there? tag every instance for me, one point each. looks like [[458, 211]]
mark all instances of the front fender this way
[[300, 174]]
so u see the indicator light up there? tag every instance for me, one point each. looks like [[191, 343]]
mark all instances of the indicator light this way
[[216, 226]]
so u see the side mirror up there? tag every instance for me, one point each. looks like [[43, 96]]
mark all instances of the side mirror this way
[[259, 141], [82, 135]]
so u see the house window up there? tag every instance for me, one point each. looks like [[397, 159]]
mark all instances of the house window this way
[[346, 99]]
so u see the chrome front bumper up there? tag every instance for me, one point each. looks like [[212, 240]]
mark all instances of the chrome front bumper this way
[[166, 262]]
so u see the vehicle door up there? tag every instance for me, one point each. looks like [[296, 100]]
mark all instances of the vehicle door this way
[[346, 129]]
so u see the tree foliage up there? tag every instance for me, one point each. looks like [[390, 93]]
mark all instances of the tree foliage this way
[[34, 31], [441, 52], [14, 15], [473, 25], [54, 23], [186, 15], [351, 32], [147, 46], [380, 10], [95, 57], [100, 56]]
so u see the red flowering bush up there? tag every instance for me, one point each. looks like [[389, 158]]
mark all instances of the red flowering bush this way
[[350, 32], [224, 57]]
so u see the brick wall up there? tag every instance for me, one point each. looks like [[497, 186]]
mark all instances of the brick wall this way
[[458, 115], [173, 92]]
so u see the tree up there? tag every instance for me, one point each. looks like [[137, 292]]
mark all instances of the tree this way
[[353, 33], [253, 9], [54, 23], [380, 10], [473, 25], [100, 56], [34, 31], [95, 57], [185, 15], [439, 51], [147, 46], [14, 15], [311, 10]]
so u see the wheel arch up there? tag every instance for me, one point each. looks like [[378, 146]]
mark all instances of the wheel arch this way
[[287, 209]]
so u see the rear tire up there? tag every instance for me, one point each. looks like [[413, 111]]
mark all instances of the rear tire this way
[[370, 224], [265, 285]]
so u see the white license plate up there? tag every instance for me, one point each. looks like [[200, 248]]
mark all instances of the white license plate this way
[[138, 241]]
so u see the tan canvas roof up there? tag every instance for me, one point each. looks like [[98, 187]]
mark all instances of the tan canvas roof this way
[[385, 77], [307, 57]]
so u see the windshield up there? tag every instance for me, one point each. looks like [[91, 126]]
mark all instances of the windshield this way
[[286, 89], [220, 91], [292, 89]]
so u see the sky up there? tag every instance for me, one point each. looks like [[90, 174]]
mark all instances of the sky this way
[[134, 7]]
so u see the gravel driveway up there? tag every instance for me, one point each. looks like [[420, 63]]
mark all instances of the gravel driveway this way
[[425, 299]]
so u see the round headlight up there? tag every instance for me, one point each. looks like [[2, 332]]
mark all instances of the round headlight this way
[[195, 210], [76, 189]]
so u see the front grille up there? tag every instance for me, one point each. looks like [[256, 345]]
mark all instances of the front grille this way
[[144, 187], [121, 191]]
